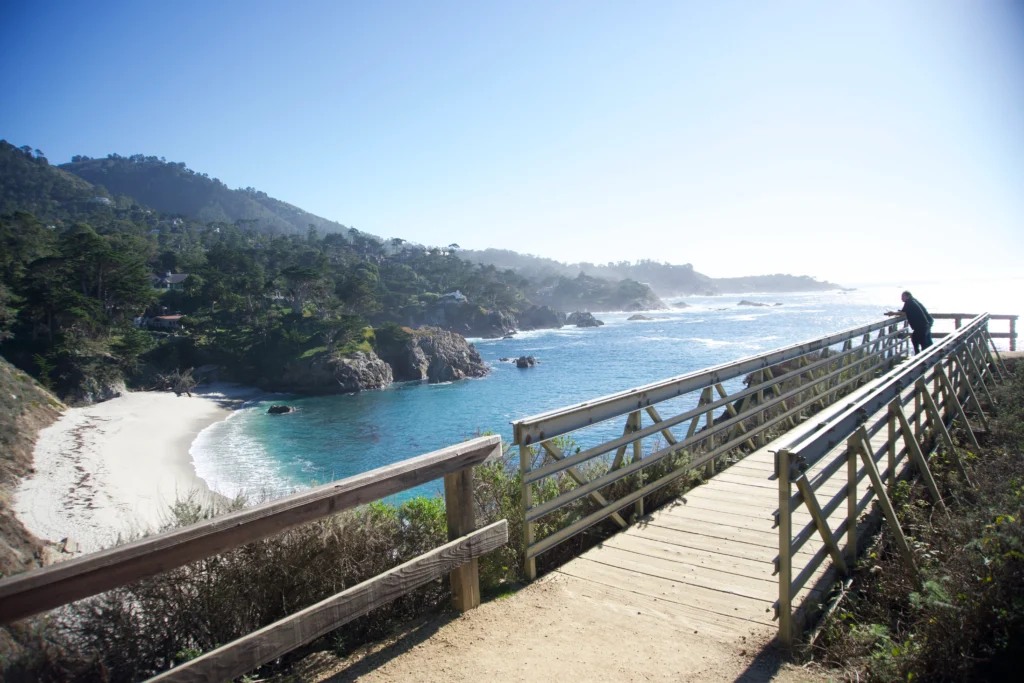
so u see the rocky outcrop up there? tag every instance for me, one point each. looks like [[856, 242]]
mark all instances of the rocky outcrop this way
[[639, 317], [744, 302], [680, 304], [435, 355], [280, 410], [541, 318], [469, 319], [96, 390], [583, 319], [326, 373], [524, 362]]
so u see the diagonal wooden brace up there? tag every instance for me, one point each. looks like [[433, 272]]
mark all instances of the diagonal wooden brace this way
[[811, 501], [860, 444], [940, 427], [557, 454], [914, 450]]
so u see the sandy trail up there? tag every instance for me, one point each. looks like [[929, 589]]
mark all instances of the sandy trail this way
[[112, 470], [562, 629]]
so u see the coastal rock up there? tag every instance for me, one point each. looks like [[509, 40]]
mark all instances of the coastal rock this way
[[776, 304], [583, 319], [280, 410], [435, 355], [96, 390], [526, 362], [744, 302], [680, 304], [326, 373], [541, 318], [639, 317], [468, 319]]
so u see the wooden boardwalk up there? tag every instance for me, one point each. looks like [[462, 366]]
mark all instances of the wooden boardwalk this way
[[708, 558]]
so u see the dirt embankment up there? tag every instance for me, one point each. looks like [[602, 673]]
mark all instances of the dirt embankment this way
[[25, 408]]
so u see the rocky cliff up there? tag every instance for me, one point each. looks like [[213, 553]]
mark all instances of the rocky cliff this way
[[433, 354]]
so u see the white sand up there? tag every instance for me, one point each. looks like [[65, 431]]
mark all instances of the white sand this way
[[114, 469]]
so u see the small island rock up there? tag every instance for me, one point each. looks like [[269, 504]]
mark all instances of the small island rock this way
[[751, 303], [583, 319], [280, 410], [526, 362]]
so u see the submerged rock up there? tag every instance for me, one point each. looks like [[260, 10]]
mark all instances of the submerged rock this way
[[680, 304], [280, 410], [744, 302]]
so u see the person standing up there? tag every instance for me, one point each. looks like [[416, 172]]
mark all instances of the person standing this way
[[920, 321]]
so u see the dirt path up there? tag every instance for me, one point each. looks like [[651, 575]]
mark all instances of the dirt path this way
[[562, 629]]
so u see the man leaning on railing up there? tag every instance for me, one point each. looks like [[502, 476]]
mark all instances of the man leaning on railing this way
[[920, 321]]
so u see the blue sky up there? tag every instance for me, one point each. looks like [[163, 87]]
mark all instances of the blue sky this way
[[852, 141]]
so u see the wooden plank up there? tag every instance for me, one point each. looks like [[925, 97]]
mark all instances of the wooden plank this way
[[622, 601], [728, 532], [270, 642], [729, 564], [716, 602], [39, 590], [459, 514], [755, 588], [697, 541]]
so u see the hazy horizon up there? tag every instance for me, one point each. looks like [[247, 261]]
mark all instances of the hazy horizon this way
[[854, 144]]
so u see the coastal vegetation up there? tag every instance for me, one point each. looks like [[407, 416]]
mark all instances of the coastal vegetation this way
[[967, 622]]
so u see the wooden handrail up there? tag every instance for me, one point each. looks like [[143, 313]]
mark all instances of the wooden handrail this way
[[39, 590], [934, 389], [270, 642], [530, 430], [958, 319]]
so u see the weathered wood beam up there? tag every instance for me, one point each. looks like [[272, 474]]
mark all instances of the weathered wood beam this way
[[270, 642]]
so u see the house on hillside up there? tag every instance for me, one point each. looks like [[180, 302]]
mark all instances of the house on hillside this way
[[166, 323], [169, 280]]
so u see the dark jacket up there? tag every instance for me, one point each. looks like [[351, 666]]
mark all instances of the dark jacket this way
[[917, 315]]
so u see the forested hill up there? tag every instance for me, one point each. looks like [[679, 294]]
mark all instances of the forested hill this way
[[665, 279], [173, 188], [99, 288]]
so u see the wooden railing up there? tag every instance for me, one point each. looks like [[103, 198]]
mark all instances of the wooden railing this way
[[876, 439], [958, 319], [39, 590], [781, 386]]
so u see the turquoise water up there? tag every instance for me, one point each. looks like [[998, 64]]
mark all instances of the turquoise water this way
[[337, 436]]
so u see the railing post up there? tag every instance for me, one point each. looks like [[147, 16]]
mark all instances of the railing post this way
[[526, 490], [782, 464], [458, 501], [1013, 333], [638, 454]]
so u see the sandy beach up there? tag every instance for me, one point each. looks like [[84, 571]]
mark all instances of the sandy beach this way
[[112, 470]]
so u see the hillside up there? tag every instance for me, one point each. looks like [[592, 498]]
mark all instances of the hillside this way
[[666, 279], [173, 188]]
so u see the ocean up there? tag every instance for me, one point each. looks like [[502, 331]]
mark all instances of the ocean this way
[[331, 437]]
